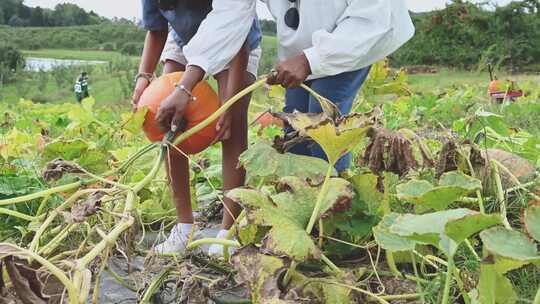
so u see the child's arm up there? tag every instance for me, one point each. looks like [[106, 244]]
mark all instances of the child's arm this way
[[153, 46], [217, 41]]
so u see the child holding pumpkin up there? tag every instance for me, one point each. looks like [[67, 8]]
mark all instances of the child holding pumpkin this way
[[195, 25]]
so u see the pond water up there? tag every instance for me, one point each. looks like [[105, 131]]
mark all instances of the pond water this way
[[46, 64]]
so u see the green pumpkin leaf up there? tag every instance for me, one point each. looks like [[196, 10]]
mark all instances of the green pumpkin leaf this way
[[80, 117], [133, 122], [88, 104], [452, 186], [503, 265], [532, 221], [335, 138], [261, 160], [494, 288], [65, 149], [509, 244], [390, 241], [461, 229], [288, 213], [429, 228], [94, 161], [366, 189]]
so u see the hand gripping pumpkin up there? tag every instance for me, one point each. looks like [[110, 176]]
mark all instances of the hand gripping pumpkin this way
[[206, 103]]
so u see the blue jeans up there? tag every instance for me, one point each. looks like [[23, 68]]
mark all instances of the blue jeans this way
[[341, 89]]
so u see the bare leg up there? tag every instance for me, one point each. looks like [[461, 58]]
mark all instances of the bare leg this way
[[177, 166], [173, 66], [231, 82]]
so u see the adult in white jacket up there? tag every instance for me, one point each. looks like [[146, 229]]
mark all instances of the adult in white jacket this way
[[330, 46]]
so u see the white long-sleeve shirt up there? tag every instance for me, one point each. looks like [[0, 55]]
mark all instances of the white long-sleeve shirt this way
[[335, 35]]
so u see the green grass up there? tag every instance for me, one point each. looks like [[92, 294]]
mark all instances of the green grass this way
[[72, 54], [445, 78], [105, 88]]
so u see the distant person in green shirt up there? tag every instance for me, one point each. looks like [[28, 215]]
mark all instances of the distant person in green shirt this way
[[81, 87]]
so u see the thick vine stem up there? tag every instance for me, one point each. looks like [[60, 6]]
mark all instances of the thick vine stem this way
[[17, 214], [500, 193], [320, 197], [231, 232], [154, 285], [210, 241], [44, 193], [330, 264], [448, 282]]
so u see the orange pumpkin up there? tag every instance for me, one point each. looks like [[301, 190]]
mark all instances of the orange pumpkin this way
[[266, 119], [496, 86], [206, 103]]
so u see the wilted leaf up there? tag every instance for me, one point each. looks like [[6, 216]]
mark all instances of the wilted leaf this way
[[65, 149], [509, 244], [531, 217], [288, 213], [261, 160], [84, 209], [461, 229], [55, 169], [259, 272], [452, 186], [25, 282], [335, 138], [322, 291], [390, 241]]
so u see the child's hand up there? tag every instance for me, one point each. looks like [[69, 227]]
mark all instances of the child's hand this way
[[140, 86], [223, 127], [171, 111]]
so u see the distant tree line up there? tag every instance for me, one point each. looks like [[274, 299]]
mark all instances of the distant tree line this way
[[468, 35], [109, 36], [16, 13]]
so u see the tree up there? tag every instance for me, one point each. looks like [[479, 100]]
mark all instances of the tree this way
[[11, 57], [16, 21], [23, 11], [2, 19], [36, 18]]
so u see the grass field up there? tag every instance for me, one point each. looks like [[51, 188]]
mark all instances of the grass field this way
[[445, 78], [72, 54]]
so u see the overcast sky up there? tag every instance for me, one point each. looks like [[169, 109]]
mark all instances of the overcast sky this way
[[131, 8]]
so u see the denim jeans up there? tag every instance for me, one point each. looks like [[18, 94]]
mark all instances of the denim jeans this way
[[341, 89]]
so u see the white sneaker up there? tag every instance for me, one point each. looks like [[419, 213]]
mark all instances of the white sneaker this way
[[216, 250], [177, 240]]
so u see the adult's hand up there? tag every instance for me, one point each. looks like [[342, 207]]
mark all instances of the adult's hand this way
[[141, 85], [291, 73], [171, 111]]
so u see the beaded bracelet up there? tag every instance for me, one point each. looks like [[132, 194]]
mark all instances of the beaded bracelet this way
[[181, 87]]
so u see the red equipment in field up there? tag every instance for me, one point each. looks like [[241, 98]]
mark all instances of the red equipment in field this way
[[500, 90]]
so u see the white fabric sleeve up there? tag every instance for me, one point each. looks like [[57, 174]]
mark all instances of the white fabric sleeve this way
[[365, 33], [221, 35]]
